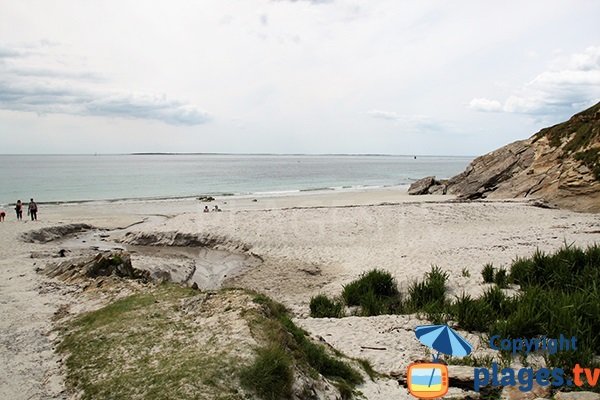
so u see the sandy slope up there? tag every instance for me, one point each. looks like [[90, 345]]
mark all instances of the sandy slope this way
[[310, 244]]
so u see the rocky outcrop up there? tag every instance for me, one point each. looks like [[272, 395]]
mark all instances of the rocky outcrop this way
[[116, 264], [427, 185], [560, 165]]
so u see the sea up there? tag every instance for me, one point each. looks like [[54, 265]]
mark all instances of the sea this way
[[78, 178]]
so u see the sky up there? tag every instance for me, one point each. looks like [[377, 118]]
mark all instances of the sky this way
[[283, 76]]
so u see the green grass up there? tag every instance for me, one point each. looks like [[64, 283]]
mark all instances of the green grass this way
[[430, 293], [122, 351], [322, 306], [375, 282], [280, 331], [270, 376], [560, 294], [488, 273], [501, 278]]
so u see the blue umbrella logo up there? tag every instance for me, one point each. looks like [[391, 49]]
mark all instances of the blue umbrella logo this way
[[444, 340]]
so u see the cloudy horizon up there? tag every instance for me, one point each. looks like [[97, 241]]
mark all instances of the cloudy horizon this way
[[283, 76]]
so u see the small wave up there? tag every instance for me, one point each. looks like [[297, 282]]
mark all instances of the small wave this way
[[316, 189]]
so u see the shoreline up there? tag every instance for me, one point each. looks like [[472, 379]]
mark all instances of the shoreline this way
[[220, 196]]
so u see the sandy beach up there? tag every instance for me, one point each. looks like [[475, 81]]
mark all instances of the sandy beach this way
[[288, 247]]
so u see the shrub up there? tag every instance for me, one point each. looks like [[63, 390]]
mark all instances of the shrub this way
[[380, 283], [322, 306], [270, 376], [376, 292], [488, 273]]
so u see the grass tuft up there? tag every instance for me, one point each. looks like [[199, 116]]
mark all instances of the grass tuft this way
[[322, 306], [488, 273], [270, 376]]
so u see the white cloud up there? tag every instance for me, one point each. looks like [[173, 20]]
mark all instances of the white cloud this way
[[570, 85], [414, 123], [483, 104], [68, 90]]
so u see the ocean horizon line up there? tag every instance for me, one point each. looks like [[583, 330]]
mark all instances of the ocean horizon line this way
[[238, 154]]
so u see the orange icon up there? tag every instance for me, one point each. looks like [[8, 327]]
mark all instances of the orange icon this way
[[427, 380]]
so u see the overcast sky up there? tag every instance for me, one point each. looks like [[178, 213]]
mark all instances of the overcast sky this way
[[248, 76]]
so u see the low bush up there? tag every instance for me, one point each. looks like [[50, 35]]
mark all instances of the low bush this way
[[322, 306], [380, 283]]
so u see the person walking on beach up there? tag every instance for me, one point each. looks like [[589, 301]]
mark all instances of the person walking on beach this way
[[19, 210], [32, 210], [2, 214]]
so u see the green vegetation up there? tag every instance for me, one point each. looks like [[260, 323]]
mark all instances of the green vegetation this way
[[578, 135], [136, 348], [591, 159], [376, 292], [323, 307], [501, 278], [430, 293], [270, 376], [578, 132], [488, 273], [278, 330], [167, 343], [560, 294], [377, 282], [465, 273]]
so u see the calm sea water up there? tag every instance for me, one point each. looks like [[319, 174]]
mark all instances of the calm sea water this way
[[51, 178]]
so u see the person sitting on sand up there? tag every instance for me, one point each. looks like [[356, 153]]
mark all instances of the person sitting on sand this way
[[19, 210], [32, 210], [206, 209], [217, 209], [2, 214]]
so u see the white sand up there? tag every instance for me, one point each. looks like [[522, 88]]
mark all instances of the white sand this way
[[313, 243]]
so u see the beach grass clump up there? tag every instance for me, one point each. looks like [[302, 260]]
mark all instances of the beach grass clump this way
[[488, 273], [322, 306], [376, 292], [430, 292], [501, 278], [270, 376], [377, 282]]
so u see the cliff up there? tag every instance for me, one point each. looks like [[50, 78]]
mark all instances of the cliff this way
[[559, 164]]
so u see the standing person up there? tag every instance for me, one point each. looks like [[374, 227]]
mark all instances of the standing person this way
[[2, 214], [19, 210], [32, 210]]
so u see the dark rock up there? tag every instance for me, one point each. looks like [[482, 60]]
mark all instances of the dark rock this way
[[421, 186], [206, 198], [101, 265]]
